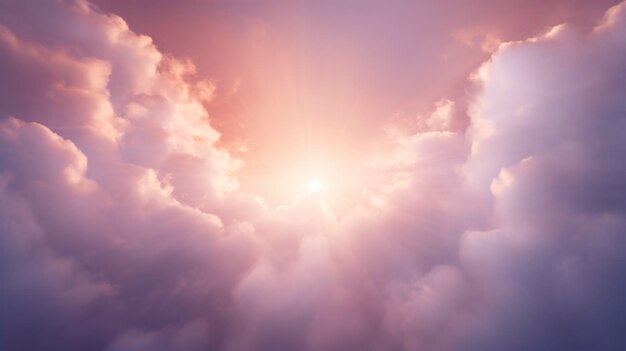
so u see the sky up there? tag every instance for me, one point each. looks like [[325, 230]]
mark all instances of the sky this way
[[312, 175]]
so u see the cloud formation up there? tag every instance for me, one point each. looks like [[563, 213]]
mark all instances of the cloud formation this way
[[122, 226]]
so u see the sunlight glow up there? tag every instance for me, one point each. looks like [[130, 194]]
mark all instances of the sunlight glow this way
[[314, 186]]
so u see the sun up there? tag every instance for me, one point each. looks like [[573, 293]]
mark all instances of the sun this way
[[314, 186]]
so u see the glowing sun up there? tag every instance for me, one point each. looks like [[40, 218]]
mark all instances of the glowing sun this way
[[314, 186]]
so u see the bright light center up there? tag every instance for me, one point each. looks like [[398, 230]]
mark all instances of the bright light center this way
[[314, 186]]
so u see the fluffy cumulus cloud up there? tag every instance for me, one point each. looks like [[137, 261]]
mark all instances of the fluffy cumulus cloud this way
[[122, 226]]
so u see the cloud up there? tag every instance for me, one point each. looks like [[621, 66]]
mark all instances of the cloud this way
[[546, 140], [191, 336], [122, 225]]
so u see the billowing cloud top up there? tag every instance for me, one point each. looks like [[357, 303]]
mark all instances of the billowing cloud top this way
[[123, 225]]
